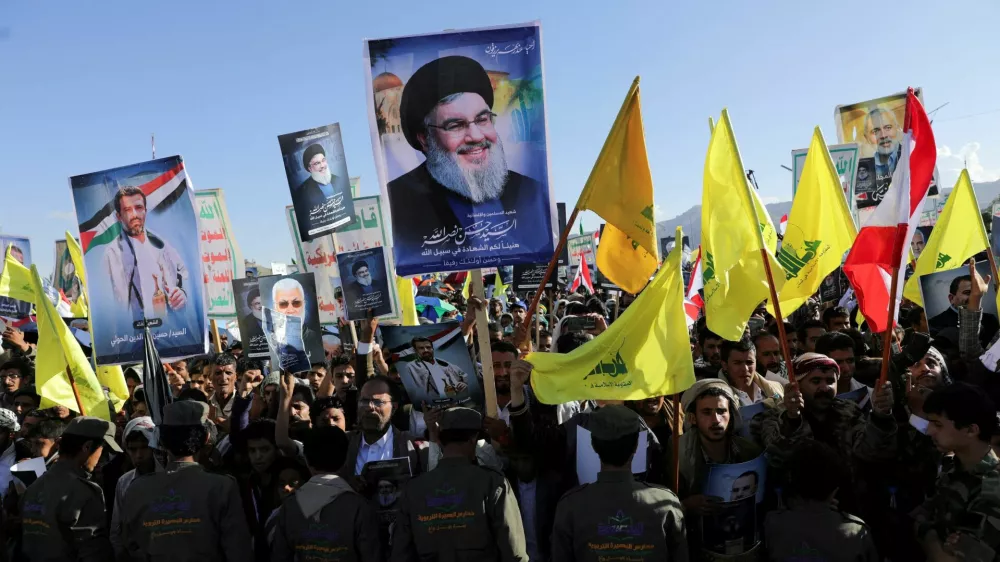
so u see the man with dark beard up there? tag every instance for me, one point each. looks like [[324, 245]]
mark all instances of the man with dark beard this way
[[146, 272], [446, 113], [811, 410], [770, 363]]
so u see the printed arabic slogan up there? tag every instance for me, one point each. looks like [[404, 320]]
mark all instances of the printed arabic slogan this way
[[434, 365], [64, 273], [291, 320], [138, 230], [319, 256], [845, 159], [16, 311], [458, 130], [366, 283], [318, 179], [221, 261], [877, 127]]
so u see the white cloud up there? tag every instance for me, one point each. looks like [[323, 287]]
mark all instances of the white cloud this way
[[61, 215], [966, 157], [658, 213]]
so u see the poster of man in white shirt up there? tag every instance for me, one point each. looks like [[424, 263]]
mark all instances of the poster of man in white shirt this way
[[434, 365], [139, 236]]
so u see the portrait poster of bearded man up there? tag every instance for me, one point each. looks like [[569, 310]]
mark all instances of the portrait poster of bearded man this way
[[458, 130], [365, 283], [318, 180], [877, 126], [250, 317], [139, 236], [294, 297]]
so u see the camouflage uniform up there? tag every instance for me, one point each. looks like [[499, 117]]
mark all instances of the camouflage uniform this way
[[845, 428], [967, 502]]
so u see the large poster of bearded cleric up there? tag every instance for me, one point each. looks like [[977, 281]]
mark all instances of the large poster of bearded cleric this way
[[877, 126], [318, 179], [139, 234], [458, 132]]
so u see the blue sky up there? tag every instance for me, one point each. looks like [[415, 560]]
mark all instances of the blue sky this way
[[83, 86]]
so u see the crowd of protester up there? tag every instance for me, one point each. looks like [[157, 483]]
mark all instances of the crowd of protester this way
[[252, 464]]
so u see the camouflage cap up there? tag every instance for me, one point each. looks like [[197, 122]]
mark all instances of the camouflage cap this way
[[461, 418], [185, 412], [612, 422], [93, 428]]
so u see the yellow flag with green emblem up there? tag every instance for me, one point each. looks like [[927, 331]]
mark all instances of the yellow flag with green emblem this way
[[820, 229], [735, 227], [58, 353], [620, 190], [80, 308], [407, 302], [958, 235], [644, 353], [15, 281]]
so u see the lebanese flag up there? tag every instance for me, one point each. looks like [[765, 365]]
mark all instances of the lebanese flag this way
[[881, 244], [582, 277], [693, 303]]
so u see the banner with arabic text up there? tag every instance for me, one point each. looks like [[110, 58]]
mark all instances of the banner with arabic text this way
[[221, 260]]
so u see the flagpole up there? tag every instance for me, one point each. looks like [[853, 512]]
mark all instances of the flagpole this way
[[677, 443], [76, 391], [780, 320], [483, 337], [548, 273], [993, 267], [887, 335], [215, 333]]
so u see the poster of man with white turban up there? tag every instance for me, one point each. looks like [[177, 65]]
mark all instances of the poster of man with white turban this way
[[458, 132], [291, 321]]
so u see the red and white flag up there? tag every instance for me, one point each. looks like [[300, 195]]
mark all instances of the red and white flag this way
[[582, 277], [782, 224], [693, 303], [881, 244]]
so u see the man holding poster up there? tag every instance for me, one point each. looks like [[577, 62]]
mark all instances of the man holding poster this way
[[139, 234], [463, 148]]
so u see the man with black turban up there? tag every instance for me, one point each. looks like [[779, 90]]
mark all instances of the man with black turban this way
[[446, 113], [317, 189]]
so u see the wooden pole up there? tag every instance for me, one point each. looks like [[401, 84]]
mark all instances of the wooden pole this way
[[548, 273], [76, 391], [993, 268], [677, 443], [215, 334], [538, 326], [780, 320], [483, 337], [887, 335], [552, 310]]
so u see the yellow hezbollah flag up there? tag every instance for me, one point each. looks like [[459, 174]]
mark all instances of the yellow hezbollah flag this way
[[641, 355], [958, 235], [407, 304], [58, 351], [820, 229], [110, 377], [15, 281], [620, 190], [734, 228]]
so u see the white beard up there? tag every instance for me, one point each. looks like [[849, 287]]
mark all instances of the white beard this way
[[478, 185], [322, 178], [366, 281], [887, 151]]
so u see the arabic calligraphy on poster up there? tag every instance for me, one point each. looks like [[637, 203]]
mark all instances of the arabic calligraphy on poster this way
[[221, 261], [582, 245]]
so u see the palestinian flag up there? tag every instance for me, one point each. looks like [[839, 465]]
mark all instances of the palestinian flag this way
[[161, 191]]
